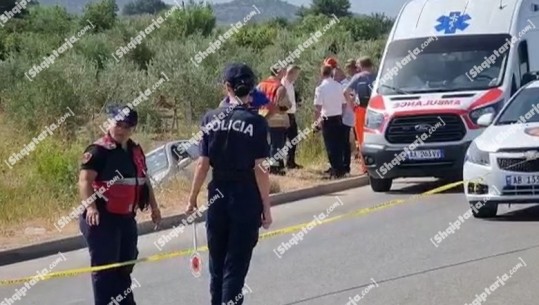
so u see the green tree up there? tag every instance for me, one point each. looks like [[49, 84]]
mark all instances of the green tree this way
[[257, 37], [368, 27], [339, 8], [278, 22], [139, 7], [190, 19], [50, 19], [101, 14]]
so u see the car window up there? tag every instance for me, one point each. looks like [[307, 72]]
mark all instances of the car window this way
[[178, 152], [157, 161], [524, 108]]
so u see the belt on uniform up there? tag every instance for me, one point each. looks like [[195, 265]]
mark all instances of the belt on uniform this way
[[233, 175]]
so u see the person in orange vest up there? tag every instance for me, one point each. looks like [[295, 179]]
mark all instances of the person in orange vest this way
[[112, 185], [276, 114]]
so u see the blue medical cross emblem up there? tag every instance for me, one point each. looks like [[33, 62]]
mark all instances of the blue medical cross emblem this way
[[455, 21]]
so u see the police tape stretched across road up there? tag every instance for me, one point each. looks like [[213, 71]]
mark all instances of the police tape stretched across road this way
[[296, 238], [177, 230], [41, 275], [185, 252]]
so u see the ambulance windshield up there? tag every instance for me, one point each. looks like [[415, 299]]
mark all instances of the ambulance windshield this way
[[444, 64]]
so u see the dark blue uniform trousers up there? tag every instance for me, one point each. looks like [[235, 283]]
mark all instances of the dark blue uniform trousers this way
[[113, 240], [232, 225], [332, 132]]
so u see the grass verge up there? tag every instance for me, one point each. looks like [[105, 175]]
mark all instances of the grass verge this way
[[41, 187]]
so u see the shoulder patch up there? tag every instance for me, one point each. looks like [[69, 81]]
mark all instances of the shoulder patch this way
[[86, 157]]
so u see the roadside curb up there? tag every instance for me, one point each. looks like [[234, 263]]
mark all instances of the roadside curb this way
[[73, 243]]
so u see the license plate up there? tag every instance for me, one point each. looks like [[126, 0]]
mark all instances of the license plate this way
[[516, 180], [429, 154]]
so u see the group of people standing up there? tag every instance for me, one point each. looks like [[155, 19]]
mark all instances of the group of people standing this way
[[280, 114], [342, 98]]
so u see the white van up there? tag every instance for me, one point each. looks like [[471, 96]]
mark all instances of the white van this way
[[445, 64]]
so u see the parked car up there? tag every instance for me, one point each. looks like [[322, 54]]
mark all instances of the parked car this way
[[168, 160], [502, 164]]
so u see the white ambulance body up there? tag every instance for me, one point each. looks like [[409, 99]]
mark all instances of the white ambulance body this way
[[445, 64]]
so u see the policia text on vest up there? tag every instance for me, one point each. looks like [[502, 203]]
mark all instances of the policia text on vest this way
[[217, 123]]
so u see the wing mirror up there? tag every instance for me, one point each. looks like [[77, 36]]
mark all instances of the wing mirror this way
[[485, 120]]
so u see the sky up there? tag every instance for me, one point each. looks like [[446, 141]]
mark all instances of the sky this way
[[389, 7]]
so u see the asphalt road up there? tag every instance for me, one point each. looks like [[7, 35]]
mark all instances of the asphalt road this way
[[390, 249]]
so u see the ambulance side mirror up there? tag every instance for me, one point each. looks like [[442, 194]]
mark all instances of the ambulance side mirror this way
[[485, 120]]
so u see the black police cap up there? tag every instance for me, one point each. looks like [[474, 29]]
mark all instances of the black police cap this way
[[124, 114]]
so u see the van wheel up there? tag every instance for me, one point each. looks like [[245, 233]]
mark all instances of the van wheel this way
[[380, 185], [486, 211]]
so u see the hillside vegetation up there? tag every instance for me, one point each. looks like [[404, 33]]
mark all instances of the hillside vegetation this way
[[83, 77]]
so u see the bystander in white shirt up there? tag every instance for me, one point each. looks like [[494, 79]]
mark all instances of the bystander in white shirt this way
[[290, 91], [329, 95]]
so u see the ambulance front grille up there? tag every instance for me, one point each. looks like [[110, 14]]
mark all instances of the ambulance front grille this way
[[404, 130]]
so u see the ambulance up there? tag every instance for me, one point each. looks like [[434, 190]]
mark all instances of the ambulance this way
[[446, 63]]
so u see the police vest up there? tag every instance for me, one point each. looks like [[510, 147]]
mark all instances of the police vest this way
[[123, 194]]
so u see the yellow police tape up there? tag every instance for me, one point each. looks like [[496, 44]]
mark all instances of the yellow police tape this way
[[159, 257]]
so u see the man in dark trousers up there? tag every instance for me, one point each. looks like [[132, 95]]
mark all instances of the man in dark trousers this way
[[235, 145], [292, 74], [330, 103]]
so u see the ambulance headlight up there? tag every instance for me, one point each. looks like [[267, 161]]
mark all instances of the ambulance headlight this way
[[474, 115], [374, 119]]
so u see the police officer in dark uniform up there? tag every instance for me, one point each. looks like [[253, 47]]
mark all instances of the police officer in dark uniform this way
[[234, 144], [112, 184]]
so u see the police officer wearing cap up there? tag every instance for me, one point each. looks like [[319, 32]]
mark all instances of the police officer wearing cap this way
[[112, 185], [235, 148]]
